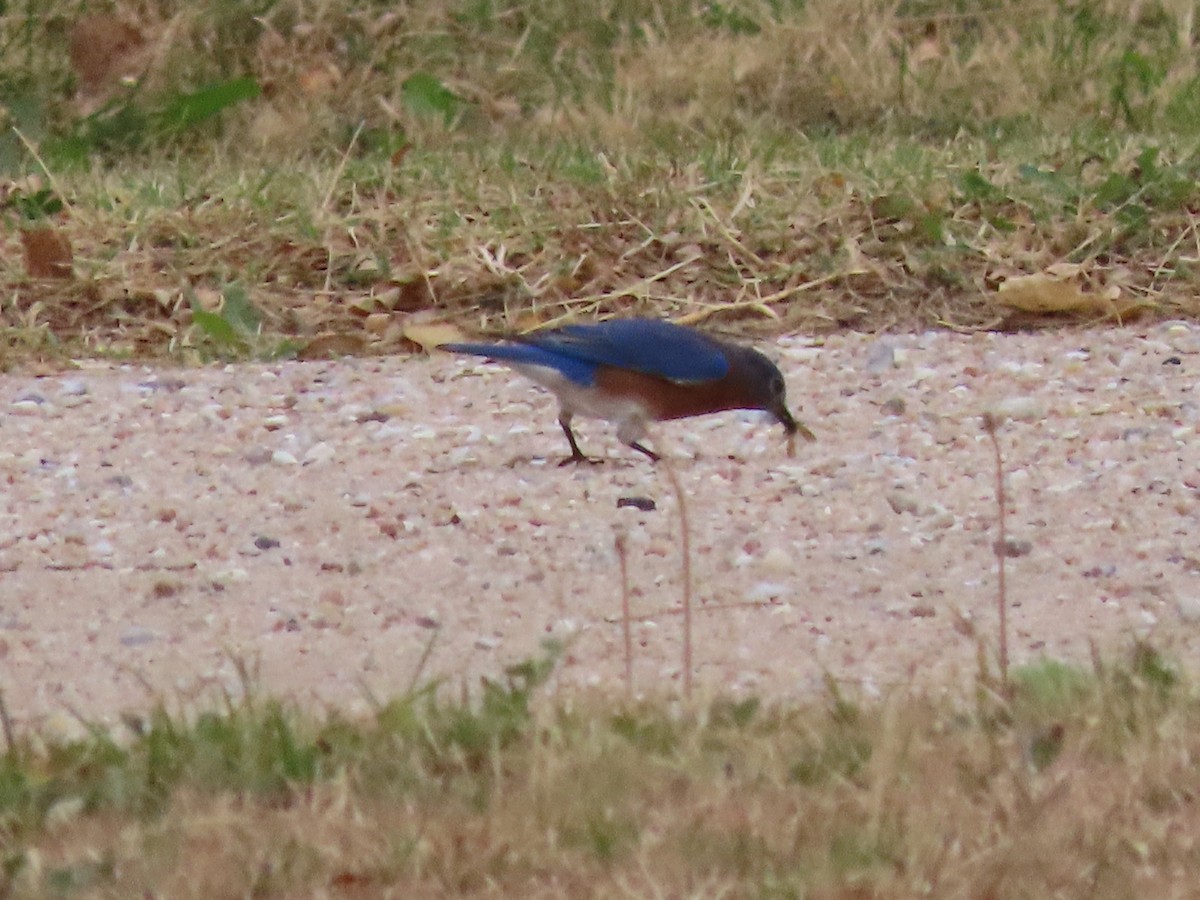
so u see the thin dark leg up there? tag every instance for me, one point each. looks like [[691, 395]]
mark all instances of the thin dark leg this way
[[564, 419], [654, 457]]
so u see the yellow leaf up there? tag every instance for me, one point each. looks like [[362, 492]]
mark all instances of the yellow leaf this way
[[431, 335], [1043, 294]]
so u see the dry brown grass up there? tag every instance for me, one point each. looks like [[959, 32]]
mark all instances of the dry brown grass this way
[[909, 796]]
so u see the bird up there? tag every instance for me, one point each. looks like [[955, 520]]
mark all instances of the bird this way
[[639, 370]]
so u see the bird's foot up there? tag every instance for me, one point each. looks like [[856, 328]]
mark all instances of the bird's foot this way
[[577, 458], [653, 457]]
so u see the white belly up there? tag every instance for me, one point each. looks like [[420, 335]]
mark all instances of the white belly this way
[[579, 400]]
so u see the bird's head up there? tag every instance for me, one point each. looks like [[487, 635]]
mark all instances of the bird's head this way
[[768, 391]]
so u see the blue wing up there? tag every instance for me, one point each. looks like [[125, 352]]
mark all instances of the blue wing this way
[[650, 346]]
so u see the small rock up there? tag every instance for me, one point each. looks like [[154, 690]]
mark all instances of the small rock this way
[[903, 502], [136, 636], [1189, 608], [894, 406], [777, 560], [881, 357], [1013, 548], [766, 590], [284, 458], [320, 452], [1019, 409], [941, 518], [328, 615], [223, 579], [645, 504]]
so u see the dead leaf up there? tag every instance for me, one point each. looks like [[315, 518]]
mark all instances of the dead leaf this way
[[377, 323], [47, 253], [104, 50], [431, 335], [328, 346], [410, 295], [1046, 295]]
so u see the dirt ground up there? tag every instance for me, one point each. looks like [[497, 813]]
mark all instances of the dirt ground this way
[[325, 521]]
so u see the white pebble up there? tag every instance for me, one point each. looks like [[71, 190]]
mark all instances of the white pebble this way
[[320, 452], [766, 590], [1019, 409], [777, 560]]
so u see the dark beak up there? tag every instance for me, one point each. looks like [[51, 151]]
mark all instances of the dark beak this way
[[790, 426]]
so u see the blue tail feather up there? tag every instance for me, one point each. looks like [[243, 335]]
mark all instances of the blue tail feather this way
[[580, 371]]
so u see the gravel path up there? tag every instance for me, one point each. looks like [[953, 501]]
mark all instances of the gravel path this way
[[324, 520]]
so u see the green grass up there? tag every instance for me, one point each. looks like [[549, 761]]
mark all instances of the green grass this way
[[766, 165], [1080, 784]]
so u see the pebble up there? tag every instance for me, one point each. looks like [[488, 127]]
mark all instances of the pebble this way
[[778, 560], [767, 590], [881, 357], [136, 636], [903, 502], [320, 452], [1019, 409], [1189, 608]]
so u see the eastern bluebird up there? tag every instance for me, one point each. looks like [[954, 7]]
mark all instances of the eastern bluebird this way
[[635, 371]]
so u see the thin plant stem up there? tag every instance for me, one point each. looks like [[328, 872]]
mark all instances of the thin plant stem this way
[[626, 619], [686, 548], [991, 426]]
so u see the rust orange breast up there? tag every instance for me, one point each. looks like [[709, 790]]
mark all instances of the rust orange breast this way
[[665, 399]]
